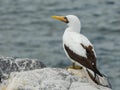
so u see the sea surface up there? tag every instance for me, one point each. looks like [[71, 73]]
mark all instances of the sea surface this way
[[28, 31]]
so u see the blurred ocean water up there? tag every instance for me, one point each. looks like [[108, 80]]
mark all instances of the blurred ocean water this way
[[27, 30]]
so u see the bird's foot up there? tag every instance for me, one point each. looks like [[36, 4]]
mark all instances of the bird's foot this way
[[74, 67]]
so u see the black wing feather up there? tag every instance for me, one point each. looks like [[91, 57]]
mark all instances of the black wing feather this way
[[89, 62]]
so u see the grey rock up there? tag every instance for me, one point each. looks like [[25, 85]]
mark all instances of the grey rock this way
[[50, 79], [31, 74], [11, 64]]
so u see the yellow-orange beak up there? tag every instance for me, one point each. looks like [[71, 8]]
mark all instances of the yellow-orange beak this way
[[61, 18]]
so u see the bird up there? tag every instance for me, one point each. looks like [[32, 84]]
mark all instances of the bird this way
[[79, 49]]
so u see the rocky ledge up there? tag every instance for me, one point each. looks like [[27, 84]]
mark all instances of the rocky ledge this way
[[42, 78]]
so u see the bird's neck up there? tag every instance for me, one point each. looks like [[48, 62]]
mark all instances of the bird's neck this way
[[74, 28]]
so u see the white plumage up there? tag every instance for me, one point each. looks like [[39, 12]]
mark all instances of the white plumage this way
[[73, 39], [76, 43]]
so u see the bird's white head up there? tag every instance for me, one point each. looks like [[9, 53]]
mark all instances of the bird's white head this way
[[72, 21]]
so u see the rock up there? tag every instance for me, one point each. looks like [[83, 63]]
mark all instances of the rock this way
[[31, 74], [50, 79], [11, 64]]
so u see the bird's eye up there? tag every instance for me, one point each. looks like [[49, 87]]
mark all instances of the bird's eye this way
[[66, 19]]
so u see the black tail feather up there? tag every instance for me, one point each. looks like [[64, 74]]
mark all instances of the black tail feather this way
[[98, 72], [96, 79]]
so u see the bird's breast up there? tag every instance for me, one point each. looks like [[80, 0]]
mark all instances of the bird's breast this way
[[73, 40], [71, 37]]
